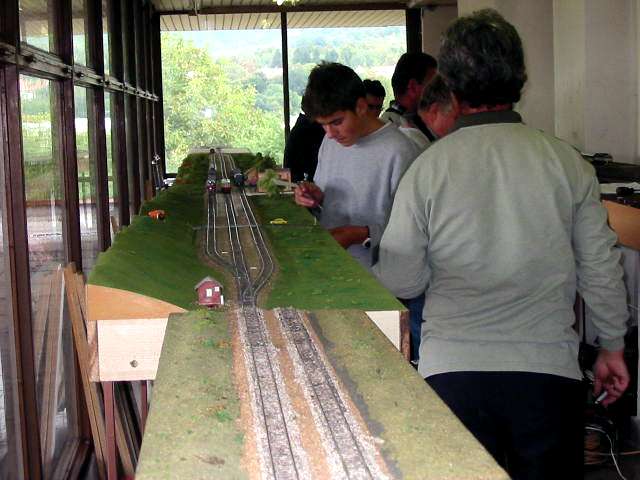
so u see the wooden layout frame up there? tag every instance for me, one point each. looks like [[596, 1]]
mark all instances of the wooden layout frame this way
[[116, 432]]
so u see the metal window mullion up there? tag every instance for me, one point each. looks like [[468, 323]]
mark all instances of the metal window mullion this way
[[99, 157], [66, 135], [119, 150], [133, 167], [96, 52], [116, 68], [413, 20], [158, 105], [285, 74], [19, 273], [142, 146]]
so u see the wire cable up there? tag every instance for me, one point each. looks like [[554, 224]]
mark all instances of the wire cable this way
[[613, 456]]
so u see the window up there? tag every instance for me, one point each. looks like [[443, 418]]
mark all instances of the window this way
[[209, 292], [372, 52], [106, 15], [87, 180], [79, 21], [10, 445], [37, 24], [214, 81], [112, 166], [54, 360]]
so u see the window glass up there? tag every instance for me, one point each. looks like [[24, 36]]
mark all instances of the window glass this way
[[372, 52], [10, 453], [79, 20], [112, 171], [213, 81], [105, 35], [37, 24], [87, 181], [45, 234]]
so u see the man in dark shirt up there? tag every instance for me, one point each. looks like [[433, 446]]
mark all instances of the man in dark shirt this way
[[301, 150], [412, 73]]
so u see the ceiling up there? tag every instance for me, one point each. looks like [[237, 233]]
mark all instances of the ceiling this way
[[183, 15]]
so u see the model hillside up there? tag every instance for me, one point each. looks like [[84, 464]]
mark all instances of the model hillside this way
[[314, 271], [161, 259]]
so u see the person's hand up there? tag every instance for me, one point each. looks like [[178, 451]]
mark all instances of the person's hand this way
[[611, 374], [308, 195], [349, 235]]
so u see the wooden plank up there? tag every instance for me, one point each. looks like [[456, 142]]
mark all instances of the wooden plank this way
[[50, 370], [105, 303], [91, 394], [126, 437], [130, 349], [43, 296], [109, 417], [129, 333]]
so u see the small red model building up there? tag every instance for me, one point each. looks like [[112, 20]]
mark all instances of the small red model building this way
[[209, 292]]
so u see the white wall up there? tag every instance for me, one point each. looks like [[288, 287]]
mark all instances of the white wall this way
[[569, 60], [534, 22], [434, 22], [611, 89], [583, 64]]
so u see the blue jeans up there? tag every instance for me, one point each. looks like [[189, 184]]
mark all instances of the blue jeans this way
[[415, 306]]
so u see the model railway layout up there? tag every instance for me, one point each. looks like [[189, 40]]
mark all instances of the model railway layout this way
[[234, 240]]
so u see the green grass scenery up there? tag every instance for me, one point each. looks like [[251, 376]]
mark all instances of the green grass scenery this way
[[161, 258], [193, 430], [314, 271]]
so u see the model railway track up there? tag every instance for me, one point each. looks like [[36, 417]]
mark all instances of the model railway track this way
[[348, 444], [281, 462], [278, 436]]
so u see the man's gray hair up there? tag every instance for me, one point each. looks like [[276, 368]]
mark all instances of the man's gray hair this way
[[482, 60]]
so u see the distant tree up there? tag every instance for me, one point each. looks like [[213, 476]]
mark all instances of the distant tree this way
[[259, 81], [204, 106], [301, 55], [276, 59]]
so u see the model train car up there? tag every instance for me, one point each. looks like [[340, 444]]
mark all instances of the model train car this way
[[225, 185], [211, 185], [237, 177]]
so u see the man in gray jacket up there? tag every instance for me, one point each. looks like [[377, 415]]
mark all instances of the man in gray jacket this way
[[502, 224], [360, 162]]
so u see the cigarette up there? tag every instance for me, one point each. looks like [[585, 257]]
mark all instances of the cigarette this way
[[601, 397]]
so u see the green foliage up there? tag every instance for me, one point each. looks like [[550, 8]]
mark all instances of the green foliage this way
[[236, 98], [207, 105], [193, 169], [245, 161], [267, 183]]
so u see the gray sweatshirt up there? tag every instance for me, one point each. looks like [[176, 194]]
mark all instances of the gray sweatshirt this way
[[359, 181], [502, 224]]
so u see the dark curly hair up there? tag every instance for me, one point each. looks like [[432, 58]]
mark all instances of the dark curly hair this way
[[331, 87], [374, 87], [482, 59], [411, 66]]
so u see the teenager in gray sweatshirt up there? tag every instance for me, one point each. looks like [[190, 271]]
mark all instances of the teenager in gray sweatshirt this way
[[360, 162]]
